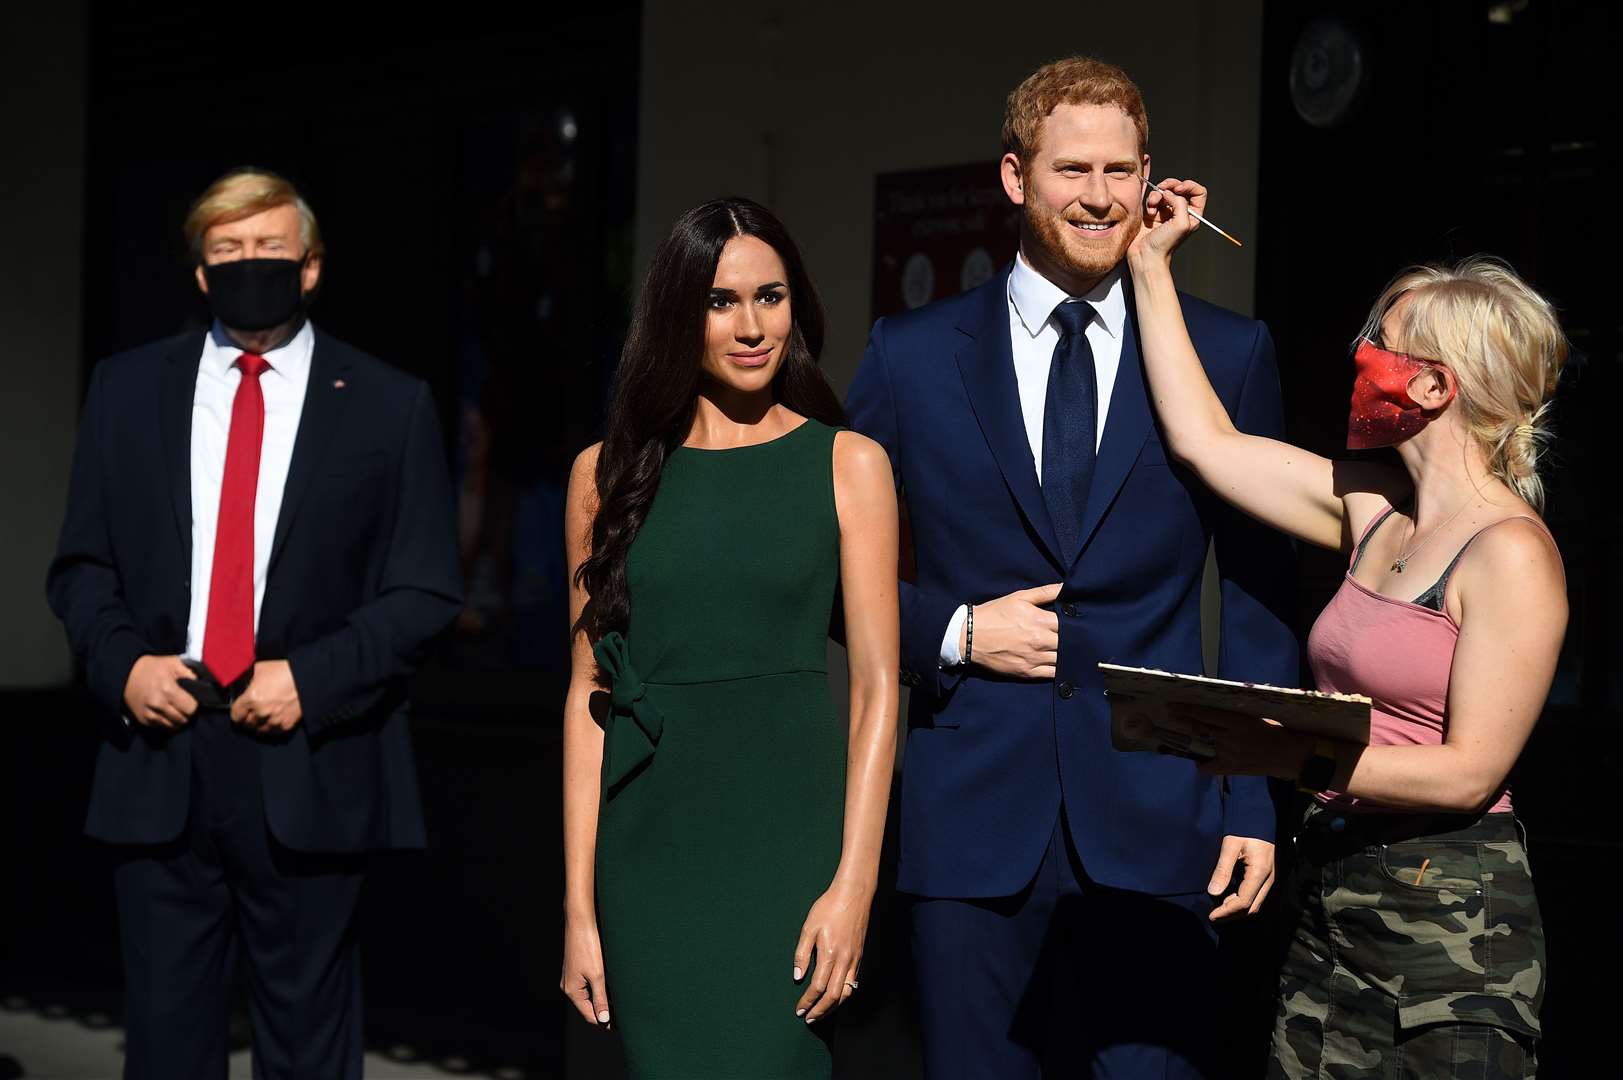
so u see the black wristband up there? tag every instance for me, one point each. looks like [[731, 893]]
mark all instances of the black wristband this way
[[969, 633], [1319, 768]]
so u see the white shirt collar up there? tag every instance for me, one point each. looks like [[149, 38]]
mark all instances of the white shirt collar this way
[[291, 358], [1035, 297]]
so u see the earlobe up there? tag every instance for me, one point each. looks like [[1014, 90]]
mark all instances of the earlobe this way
[[202, 279]]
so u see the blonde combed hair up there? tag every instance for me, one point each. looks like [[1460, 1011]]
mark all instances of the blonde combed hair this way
[[1505, 347], [242, 193]]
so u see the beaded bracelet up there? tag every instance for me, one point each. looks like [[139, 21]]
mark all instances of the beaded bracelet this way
[[969, 634]]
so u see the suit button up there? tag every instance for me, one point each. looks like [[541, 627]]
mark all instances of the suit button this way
[[1066, 690], [1071, 610]]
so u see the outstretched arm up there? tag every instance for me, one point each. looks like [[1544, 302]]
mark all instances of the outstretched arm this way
[[837, 924], [1279, 484]]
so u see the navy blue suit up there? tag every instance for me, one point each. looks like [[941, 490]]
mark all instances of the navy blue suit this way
[[1001, 775], [220, 834]]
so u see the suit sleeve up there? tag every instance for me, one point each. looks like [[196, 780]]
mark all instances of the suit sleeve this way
[[1256, 567], [871, 407], [82, 583], [346, 673]]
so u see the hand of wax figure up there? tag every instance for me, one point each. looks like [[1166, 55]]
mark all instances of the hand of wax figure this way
[[582, 981], [833, 934], [1016, 634], [1166, 218], [153, 694], [1246, 746], [1246, 900], [271, 702]]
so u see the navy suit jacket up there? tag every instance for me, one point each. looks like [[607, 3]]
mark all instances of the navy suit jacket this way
[[989, 761], [363, 575]]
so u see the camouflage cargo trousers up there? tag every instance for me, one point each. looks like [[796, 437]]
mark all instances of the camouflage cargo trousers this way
[[1416, 950]]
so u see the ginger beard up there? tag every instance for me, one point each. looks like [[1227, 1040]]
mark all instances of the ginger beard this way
[[1070, 247]]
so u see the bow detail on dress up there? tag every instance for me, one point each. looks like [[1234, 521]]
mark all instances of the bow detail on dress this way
[[626, 745]]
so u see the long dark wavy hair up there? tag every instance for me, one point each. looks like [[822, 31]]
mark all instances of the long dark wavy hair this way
[[657, 384]]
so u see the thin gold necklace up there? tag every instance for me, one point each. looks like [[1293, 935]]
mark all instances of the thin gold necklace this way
[[1403, 560]]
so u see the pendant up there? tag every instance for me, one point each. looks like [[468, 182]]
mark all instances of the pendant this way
[[1397, 564]]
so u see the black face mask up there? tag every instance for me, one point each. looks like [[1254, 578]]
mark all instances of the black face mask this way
[[255, 294]]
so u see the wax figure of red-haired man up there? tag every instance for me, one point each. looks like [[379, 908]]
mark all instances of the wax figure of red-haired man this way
[[1051, 532]]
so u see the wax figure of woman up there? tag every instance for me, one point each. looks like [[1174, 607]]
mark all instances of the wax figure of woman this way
[[721, 827], [1417, 948]]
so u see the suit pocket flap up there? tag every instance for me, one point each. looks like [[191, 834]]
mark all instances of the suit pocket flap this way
[[1476, 1007]]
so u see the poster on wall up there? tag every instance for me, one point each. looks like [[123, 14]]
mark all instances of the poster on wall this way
[[938, 232]]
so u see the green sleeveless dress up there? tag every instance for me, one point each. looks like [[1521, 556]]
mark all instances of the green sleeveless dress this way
[[724, 763]]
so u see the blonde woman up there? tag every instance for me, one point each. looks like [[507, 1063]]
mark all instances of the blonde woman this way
[[1417, 948]]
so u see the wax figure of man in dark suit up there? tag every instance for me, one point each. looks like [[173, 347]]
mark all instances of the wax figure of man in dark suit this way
[[259, 549], [1051, 533]]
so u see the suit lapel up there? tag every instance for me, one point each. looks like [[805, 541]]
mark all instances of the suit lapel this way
[[323, 409], [986, 363], [175, 398], [1127, 425]]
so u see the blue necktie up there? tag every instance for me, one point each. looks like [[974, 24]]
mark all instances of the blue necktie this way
[[1070, 425]]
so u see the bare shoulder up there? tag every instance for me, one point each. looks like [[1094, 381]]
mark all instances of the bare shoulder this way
[[859, 459], [863, 487], [1512, 571], [583, 479], [1515, 549], [586, 462]]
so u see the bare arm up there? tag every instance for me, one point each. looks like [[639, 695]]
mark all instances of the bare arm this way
[[865, 501], [582, 981], [1279, 484], [1504, 662]]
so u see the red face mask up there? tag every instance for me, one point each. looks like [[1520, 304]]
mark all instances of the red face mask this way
[[1383, 413]]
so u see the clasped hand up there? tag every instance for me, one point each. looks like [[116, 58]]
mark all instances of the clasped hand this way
[[154, 696], [270, 704]]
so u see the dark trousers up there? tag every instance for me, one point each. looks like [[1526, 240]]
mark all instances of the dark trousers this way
[[187, 909], [1068, 978]]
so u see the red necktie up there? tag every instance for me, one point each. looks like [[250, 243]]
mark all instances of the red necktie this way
[[228, 635]]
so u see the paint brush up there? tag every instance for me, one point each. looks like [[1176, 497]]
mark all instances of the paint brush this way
[[1200, 219]]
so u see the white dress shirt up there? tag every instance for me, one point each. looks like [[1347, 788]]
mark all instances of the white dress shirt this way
[[283, 385], [1033, 335]]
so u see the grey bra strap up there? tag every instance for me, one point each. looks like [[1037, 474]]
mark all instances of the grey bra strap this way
[[1433, 597]]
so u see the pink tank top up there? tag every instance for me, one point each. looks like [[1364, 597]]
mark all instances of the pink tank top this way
[[1398, 653]]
